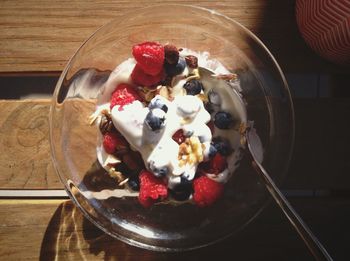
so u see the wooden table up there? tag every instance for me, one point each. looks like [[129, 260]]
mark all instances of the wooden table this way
[[38, 221]]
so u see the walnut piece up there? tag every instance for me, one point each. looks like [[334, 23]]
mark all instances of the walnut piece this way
[[190, 151]]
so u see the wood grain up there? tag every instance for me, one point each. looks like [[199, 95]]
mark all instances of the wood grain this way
[[40, 36], [58, 231], [24, 140], [320, 161], [25, 152]]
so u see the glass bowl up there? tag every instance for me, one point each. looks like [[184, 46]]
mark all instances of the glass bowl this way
[[74, 141]]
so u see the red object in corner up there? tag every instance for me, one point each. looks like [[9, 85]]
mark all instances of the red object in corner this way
[[325, 26]]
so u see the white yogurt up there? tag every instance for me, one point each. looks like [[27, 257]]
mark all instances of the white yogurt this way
[[157, 148]]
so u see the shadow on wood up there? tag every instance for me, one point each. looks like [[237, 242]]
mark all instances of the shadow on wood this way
[[70, 236]]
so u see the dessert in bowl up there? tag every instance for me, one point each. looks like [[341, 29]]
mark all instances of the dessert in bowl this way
[[172, 135], [145, 130]]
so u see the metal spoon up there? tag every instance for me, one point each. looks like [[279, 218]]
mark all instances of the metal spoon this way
[[314, 246]]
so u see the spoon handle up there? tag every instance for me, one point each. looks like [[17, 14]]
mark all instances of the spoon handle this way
[[314, 246]]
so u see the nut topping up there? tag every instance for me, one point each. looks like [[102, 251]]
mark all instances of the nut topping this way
[[106, 124], [190, 151]]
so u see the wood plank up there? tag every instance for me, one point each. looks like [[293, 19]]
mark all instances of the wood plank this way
[[58, 231], [319, 160], [25, 159], [40, 36], [24, 138]]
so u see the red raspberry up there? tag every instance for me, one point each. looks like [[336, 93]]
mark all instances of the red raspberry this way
[[112, 142], [179, 136], [206, 191], [123, 94], [139, 77], [218, 163], [151, 189], [214, 166], [149, 56]]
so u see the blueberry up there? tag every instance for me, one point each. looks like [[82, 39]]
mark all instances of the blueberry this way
[[157, 169], [158, 103], [222, 146], [183, 190], [175, 69], [155, 119], [193, 87], [134, 183], [223, 120], [209, 107], [160, 172]]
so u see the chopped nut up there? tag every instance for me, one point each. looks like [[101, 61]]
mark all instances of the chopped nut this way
[[191, 158], [124, 182], [101, 110], [182, 149], [149, 96], [111, 160], [190, 151], [243, 128], [92, 118], [163, 91], [194, 75], [106, 124], [243, 140], [116, 175], [147, 93], [203, 97]]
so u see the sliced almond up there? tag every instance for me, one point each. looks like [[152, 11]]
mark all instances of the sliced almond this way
[[111, 160]]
